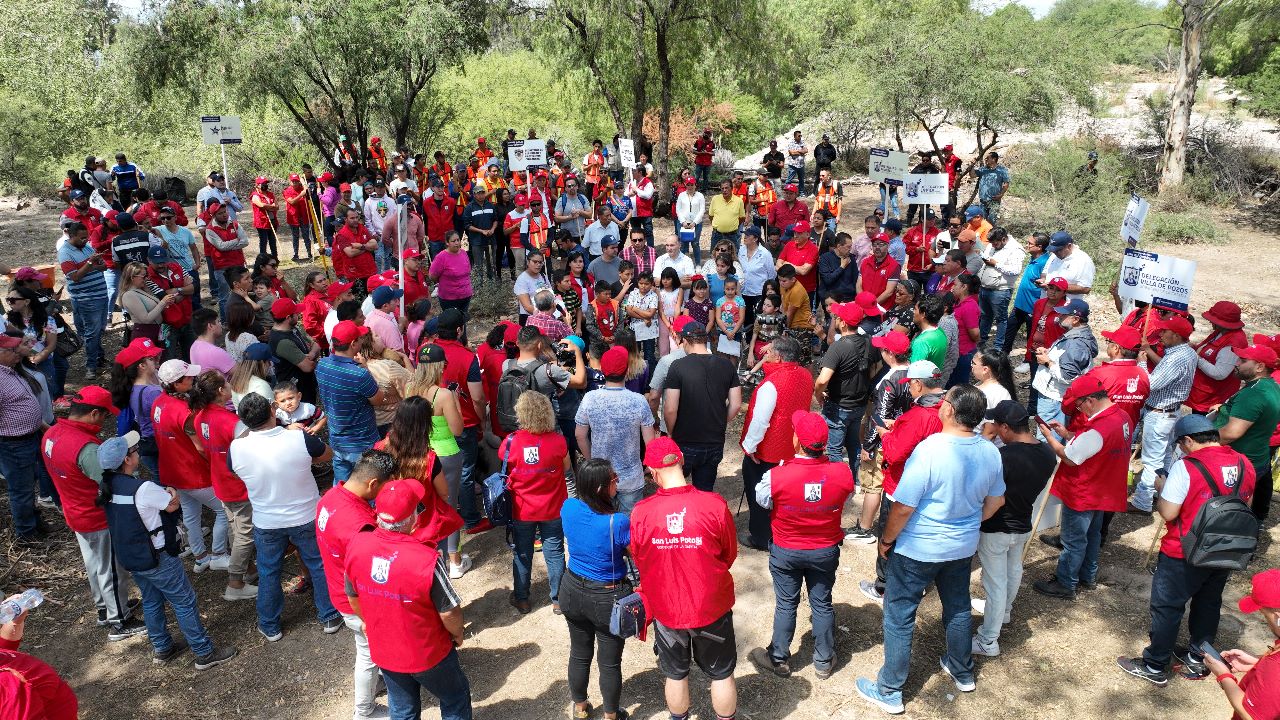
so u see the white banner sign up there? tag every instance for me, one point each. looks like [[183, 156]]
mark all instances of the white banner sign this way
[[928, 189], [887, 166], [1134, 217], [627, 153], [220, 129], [1162, 280], [524, 154]]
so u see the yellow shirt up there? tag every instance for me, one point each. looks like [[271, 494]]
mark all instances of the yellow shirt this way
[[797, 297], [727, 215]]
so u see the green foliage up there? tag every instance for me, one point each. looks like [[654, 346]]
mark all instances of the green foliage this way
[[1179, 228], [1244, 44], [1124, 32]]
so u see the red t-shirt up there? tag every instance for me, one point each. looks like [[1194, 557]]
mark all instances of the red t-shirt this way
[[1261, 687], [919, 248], [340, 515], [808, 498], [360, 266], [1127, 385], [797, 256], [1044, 331], [31, 689], [683, 541], [876, 276], [535, 470], [217, 428], [703, 151]]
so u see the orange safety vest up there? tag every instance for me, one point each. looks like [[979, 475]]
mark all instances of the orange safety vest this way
[[538, 232], [491, 186], [380, 155], [517, 179], [422, 176], [595, 161], [765, 197], [484, 155], [828, 198], [444, 173]]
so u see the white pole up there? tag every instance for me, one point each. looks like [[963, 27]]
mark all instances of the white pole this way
[[401, 233], [223, 148]]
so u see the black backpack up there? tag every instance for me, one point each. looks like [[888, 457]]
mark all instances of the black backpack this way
[[1224, 533], [514, 382]]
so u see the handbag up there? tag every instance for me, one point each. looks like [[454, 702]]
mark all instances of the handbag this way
[[497, 496], [69, 341], [628, 617]]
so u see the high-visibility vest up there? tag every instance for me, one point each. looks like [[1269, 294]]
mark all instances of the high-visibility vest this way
[[765, 197], [444, 173], [828, 198], [380, 155]]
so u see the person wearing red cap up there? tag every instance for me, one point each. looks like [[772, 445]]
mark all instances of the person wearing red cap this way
[[802, 254], [1253, 696], [1092, 478], [376, 153], [297, 214], [682, 540], [953, 482], [265, 215], [296, 355], [844, 383], [892, 398], [1127, 382], [1246, 420], [789, 210], [878, 273], [353, 252], [1208, 470], [1215, 379], [1043, 331], [397, 585], [1171, 381], [805, 496], [224, 244], [69, 449]]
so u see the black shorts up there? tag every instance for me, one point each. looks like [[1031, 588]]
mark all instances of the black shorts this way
[[713, 647]]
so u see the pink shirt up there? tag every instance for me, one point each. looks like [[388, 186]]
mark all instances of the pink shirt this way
[[207, 355], [452, 272], [966, 313], [386, 328]]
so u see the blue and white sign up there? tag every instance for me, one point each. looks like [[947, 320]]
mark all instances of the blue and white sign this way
[[1162, 280], [1135, 216], [929, 189], [220, 129], [888, 167]]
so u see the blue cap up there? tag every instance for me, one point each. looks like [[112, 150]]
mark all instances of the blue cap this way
[[259, 351], [972, 212], [1192, 424], [431, 326], [1076, 307], [1060, 239], [384, 295], [893, 224], [582, 344], [125, 221], [404, 199], [113, 451], [752, 230], [76, 194], [158, 253]]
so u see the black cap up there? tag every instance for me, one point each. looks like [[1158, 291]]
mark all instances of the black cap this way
[[430, 354], [451, 318], [1009, 413]]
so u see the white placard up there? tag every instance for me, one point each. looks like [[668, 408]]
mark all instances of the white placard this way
[[220, 129], [627, 153], [524, 154], [927, 189], [1134, 218], [887, 166], [1162, 280]]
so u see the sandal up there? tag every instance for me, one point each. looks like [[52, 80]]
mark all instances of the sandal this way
[[303, 585], [577, 714]]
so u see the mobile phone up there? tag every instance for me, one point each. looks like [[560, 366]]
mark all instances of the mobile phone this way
[[1209, 651], [1040, 421]]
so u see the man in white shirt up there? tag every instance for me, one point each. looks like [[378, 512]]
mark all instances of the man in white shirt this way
[[691, 206], [275, 465], [596, 232], [377, 206], [673, 258], [403, 182], [1068, 262], [999, 273]]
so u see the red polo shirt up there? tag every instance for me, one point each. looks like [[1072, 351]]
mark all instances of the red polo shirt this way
[[360, 266], [340, 516], [808, 498], [797, 256]]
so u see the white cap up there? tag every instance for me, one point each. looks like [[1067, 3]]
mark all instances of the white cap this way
[[174, 370], [923, 370]]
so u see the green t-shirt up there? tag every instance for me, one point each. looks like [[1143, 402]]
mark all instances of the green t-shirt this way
[[930, 345], [1258, 402]]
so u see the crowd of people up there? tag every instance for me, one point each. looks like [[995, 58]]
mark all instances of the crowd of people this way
[[877, 366]]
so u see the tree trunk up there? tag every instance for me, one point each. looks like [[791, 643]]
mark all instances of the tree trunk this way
[[1173, 159], [639, 99], [660, 160], [577, 25]]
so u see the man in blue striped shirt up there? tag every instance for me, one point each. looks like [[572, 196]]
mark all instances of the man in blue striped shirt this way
[[349, 394], [1170, 385], [83, 268]]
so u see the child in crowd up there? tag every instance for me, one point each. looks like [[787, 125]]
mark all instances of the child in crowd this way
[[265, 298], [671, 299], [766, 329], [292, 412], [729, 315], [641, 306], [699, 305]]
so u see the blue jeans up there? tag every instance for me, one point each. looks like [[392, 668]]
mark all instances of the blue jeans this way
[[963, 371], [302, 232], [446, 681], [889, 197], [343, 462], [694, 248], [795, 175], [552, 534], [384, 257], [645, 224], [60, 368], [113, 286], [816, 569], [167, 582], [270, 557], [19, 463], [90, 317], [702, 174], [702, 463], [469, 442], [1081, 538], [907, 580], [1049, 409], [625, 501], [218, 288], [844, 432], [734, 237], [1175, 584], [993, 308]]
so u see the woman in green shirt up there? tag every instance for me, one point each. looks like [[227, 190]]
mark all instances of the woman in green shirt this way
[[446, 425]]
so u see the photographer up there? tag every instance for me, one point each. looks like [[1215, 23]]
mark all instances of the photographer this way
[[537, 367]]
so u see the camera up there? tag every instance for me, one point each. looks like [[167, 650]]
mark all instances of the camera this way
[[566, 357]]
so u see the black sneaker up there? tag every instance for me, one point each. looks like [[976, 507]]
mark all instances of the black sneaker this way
[[760, 658], [1191, 665], [860, 536], [333, 625], [217, 657], [1053, 588], [1053, 541], [1137, 667], [178, 647], [744, 539], [126, 629], [133, 606], [1087, 585]]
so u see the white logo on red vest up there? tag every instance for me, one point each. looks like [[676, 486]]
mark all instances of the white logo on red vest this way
[[381, 570], [48, 448], [531, 455], [155, 414], [675, 522], [1230, 475], [1131, 385], [323, 519], [813, 492], [204, 430]]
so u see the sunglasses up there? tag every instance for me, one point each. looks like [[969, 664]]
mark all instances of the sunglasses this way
[[14, 299]]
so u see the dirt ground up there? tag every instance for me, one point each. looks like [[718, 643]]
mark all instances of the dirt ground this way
[[1058, 658]]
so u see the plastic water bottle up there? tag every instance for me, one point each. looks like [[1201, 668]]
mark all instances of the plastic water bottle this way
[[16, 605]]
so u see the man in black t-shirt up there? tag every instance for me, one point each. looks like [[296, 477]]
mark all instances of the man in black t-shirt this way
[[701, 395], [1028, 464], [295, 354], [772, 164], [844, 383]]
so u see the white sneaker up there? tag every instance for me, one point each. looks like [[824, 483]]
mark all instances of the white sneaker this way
[[219, 562], [202, 564], [868, 588], [46, 502], [979, 606], [1022, 369], [248, 592], [985, 649], [379, 712], [457, 571], [968, 686]]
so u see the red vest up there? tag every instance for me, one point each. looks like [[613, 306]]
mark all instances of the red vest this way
[[794, 385], [217, 427], [1043, 331], [536, 481], [1127, 385], [1102, 482], [1224, 465], [392, 574], [353, 268], [808, 498], [457, 365], [179, 313], [1205, 391], [222, 260], [644, 207], [182, 467], [59, 449], [340, 515], [438, 217], [261, 219]]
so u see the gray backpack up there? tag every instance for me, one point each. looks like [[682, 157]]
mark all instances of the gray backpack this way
[[1224, 533]]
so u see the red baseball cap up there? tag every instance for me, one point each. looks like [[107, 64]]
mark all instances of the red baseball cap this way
[[347, 331], [867, 301], [1081, 386], [690, 182], [895, 341], [1058, 283], [1271, 341], [95, 396], [880, 238], [325, 176], [1265, 592], [790, 187], [480, 139], [261, 179], [294, 177], [801, 228], [28, 273], [375, 139], [411, 253], [9, 341], [522, 199], [139, 349], [336, 289], [662, 452], [848, 312], [1264, 354], [810, 429], [614, 361], [344, 187], [681, 322], [1126, 336], [283, 308], [399, 499], [1177, 325]]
